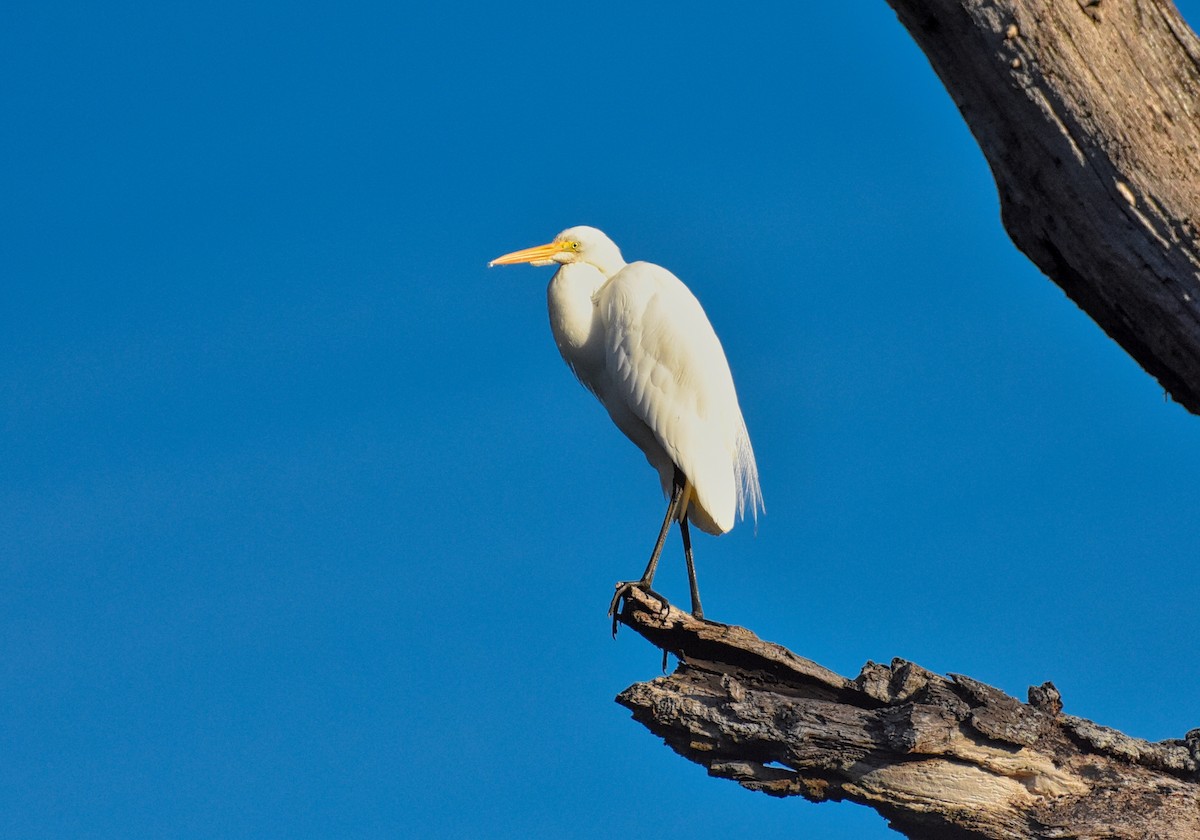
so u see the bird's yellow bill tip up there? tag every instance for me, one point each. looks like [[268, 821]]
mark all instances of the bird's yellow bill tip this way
[[539, 253]]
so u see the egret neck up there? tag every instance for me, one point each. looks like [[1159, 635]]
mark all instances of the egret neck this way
[[570, 297]]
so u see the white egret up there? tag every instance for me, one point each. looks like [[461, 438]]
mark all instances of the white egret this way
[[638, 339]]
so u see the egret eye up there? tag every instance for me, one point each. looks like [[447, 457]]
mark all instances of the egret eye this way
[[574, 246]]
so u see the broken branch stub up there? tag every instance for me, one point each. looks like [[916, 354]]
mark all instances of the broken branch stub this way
[[939, 757]]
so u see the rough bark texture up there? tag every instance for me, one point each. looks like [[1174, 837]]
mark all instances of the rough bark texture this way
[[938, 757], [1088, 113]]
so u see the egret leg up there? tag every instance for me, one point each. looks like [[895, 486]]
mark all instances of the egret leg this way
[[648, 576], [697, 610]]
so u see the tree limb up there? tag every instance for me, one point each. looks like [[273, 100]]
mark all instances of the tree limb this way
[[1089, 115], [939, 758]]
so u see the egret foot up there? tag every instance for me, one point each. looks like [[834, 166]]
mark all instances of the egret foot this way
[[623, 588]]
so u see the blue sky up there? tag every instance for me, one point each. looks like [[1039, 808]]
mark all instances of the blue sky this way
[[306, 530]]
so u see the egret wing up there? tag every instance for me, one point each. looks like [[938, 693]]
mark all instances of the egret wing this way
[[667, 367]]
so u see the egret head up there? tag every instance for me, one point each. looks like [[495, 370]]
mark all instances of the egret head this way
[[581, 244]]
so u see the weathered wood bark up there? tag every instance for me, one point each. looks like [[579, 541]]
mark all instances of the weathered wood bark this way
[[938, 757], [1089, 116]]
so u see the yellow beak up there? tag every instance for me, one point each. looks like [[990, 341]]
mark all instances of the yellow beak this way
[[540, 253]]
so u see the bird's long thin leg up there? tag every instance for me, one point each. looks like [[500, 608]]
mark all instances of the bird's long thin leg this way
[[648, 576], [672, 513], [697, 610]]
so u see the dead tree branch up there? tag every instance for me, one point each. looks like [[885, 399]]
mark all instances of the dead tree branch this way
[[1089, 115], [939, 758]]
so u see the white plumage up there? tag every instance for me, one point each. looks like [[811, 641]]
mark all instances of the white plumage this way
[[639, 340]]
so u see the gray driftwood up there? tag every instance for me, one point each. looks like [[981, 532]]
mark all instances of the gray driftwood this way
[[938, 757], [1089, 115]]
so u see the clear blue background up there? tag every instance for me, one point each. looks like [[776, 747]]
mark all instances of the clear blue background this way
[[307, 531]]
